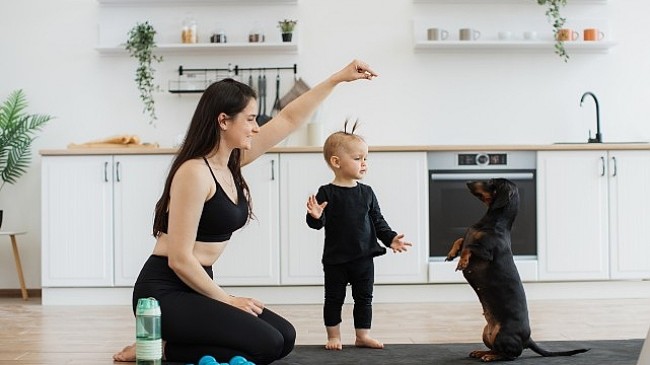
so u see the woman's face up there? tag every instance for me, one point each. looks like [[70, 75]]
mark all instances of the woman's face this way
[[242, 126]]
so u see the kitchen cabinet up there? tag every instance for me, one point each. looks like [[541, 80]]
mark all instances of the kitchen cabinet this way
[[591, 210], [97, 214], [398, 179], [253, 253]]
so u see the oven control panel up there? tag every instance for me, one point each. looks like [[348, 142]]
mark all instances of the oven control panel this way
[[482, 159]]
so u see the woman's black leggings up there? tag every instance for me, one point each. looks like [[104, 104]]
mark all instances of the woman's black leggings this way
[[194, 325]]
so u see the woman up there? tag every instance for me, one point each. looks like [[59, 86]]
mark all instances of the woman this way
[[204, 201]]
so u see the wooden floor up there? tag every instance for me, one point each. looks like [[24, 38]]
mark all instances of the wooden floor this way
[[89, 335]]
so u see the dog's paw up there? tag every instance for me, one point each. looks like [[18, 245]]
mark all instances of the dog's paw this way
[[462, 264], [478, 354], [450, 257]]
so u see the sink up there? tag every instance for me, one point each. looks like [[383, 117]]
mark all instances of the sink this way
[[631, 142]]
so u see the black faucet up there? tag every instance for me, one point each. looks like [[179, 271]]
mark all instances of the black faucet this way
[[599, 137]]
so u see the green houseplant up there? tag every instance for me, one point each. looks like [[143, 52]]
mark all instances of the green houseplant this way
[[286, 27], [140, 45], [554, 16], [17, 131]]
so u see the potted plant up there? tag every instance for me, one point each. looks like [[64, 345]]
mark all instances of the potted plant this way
[[17, 131], [554, 16], [286, 27], [140, 45]]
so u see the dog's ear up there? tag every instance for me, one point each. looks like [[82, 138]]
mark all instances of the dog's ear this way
[[502, 194]]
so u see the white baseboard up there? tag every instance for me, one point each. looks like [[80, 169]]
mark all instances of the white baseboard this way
[[411, 293]]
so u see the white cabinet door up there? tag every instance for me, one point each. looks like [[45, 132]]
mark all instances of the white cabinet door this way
[[302, 247], [138, 183], [629, 189], [77, 225], [572, 214], [252, 256], [399, 180]]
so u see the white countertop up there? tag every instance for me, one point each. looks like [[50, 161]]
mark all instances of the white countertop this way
[[424, 148]]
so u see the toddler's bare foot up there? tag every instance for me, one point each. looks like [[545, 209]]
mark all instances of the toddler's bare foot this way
[[126, 355], [368, 342], [334, 343]]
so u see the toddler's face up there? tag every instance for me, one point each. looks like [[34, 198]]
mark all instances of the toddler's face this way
[[353, 160]]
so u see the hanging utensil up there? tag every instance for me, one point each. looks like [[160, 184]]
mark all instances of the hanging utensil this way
[[276, 103], [262, 118], [298, 88]]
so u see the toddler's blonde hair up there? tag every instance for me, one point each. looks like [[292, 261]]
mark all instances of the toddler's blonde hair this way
[[339, 141]]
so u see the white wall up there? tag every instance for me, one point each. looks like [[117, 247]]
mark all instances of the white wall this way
[[47, 48]]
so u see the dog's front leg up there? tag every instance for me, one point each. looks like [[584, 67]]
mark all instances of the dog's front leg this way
[[464, 259], [455, 249]]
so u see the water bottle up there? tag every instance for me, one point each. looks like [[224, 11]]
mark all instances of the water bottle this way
[[148, 342]]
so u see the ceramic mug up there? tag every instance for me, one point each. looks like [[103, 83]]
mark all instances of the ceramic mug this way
[[593, 34], [505, 35], [566, 34], [468, 34], [437, 34], [530, 35]]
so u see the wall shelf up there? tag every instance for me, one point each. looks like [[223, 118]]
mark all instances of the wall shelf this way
[[192, 2], [455, 46], [489, 2], [209, 48]]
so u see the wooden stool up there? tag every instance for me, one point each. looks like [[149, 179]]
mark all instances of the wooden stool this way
[[19, 266]]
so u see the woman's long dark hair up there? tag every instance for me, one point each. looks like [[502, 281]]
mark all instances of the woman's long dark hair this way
[[226, 96]]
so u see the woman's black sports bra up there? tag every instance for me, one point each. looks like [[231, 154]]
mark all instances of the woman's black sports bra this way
[[220, 216]]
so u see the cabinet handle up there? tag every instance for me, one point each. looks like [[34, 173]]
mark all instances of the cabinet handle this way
[[615, 167], [272, 170], [105, 171], [602, 166], [117, 171]]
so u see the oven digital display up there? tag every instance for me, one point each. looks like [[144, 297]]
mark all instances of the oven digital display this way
[[465, 159]]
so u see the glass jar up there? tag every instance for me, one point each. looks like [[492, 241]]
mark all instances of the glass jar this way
[[188, 32]]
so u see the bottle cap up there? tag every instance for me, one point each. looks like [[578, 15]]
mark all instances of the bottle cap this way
[[148, 307]]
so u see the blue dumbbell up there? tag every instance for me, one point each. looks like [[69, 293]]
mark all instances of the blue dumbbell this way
[[208, 360], [239, 360]]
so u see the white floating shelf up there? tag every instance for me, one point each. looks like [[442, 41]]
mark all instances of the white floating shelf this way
[[192, 2], [490, 2], [578, 46], [179, 48]]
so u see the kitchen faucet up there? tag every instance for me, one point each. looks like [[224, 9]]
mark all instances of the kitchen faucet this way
[[599, 137]]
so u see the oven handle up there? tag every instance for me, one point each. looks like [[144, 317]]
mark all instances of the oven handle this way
[[482, 176]]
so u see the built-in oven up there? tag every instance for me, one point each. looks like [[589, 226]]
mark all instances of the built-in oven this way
[[452, 208]]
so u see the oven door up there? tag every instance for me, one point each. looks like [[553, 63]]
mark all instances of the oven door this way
[[452, 208]]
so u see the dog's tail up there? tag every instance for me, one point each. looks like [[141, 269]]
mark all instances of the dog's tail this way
[[533, 346]]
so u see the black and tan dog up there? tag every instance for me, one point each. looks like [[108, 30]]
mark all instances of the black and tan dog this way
[[489, 268]]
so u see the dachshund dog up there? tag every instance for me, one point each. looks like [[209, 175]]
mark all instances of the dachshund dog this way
[[489, 268]]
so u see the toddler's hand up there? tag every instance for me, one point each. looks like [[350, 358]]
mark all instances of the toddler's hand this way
[[313, 208], [399, 244]]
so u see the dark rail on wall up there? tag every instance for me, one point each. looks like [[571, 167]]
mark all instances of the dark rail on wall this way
[[196, 80]]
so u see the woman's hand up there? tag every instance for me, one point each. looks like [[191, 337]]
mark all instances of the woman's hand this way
[[313, 208], [354, 71], [250, 305]]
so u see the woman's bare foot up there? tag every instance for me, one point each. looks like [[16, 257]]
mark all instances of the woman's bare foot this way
[[334, 344], [126, 355]]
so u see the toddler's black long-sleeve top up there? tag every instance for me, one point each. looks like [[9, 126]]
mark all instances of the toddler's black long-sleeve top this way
[[353, 223]]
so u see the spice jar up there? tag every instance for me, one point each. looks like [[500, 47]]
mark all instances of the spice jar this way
[[218, 36]]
